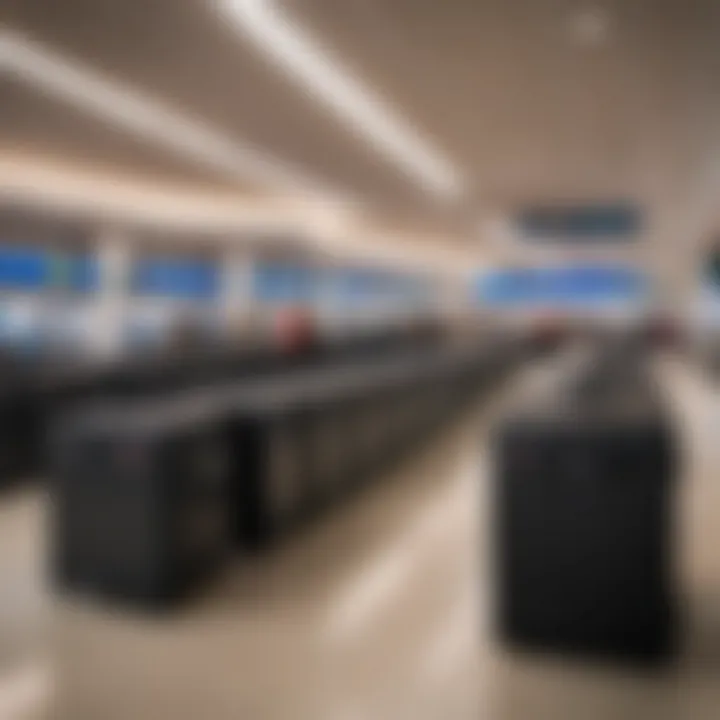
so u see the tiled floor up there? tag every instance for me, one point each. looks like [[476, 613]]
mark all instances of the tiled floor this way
[[376, 613]]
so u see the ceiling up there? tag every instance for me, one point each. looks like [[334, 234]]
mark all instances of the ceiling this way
[[37, 125], [503, 89]]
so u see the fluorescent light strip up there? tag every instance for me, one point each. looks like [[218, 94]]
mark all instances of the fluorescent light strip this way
[[298, 53], [28, 181], [146, 118]]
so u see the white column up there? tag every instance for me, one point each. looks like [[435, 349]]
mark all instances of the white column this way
[[114, 262], [236, 294]]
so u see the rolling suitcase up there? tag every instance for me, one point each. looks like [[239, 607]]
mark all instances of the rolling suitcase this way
[[584, 530], [269, 469], [140, 501], [327, 445]]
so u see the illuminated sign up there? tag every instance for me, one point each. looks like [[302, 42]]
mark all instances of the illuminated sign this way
[[569, 285], [38, 269], [175, 278]]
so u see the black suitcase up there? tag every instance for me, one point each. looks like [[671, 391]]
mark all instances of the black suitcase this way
[[329, 444], [140, 500], [270, 484], [18, 434], [584, 506]]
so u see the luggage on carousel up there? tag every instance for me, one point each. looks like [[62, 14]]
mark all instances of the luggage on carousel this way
[[585, 527], [269, 468], [140, 500]]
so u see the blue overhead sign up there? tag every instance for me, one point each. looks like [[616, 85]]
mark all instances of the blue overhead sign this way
[[573, 285], [176, 278], [275, 282], [39, 269]]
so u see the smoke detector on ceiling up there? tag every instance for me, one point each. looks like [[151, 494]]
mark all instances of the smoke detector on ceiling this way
[[590, 26]]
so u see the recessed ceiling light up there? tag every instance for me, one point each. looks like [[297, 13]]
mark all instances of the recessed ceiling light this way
[[590, 26], [353, 101]]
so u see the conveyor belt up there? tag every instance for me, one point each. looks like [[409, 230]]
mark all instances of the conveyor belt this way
[[290, 446], [33, 395]]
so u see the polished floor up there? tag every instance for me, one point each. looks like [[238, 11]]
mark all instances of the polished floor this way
[[377, 613]]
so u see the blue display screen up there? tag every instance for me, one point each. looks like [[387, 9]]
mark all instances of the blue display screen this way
[[358, 286], [560, 285], [22, 268], [279, 283], [83, 273], [369, 286], [176, 278], [348, 287], [36, 269]]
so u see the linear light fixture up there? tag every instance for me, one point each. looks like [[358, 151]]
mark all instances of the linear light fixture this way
[[145, 117], [31, 181], [302, 57]]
